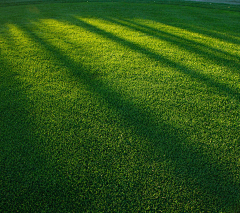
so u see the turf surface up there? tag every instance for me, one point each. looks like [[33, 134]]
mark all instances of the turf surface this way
[[120, 107]]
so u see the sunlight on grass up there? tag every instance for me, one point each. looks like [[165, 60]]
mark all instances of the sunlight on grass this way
[[109, 111], [178, 45]]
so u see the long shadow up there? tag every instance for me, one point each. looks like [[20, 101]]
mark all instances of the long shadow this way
[[188, 20], [15, 132], [190, 163], [29, 181], [21, 158], [215, 55], [197, 26], [211, 33], [220, 87]]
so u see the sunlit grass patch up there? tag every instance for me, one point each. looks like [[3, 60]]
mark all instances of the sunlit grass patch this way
[[119, 107]]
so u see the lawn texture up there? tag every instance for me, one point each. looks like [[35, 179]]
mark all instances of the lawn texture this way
[[120, 107]]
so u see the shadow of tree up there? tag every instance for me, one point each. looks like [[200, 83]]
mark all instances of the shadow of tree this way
[[195, 19], [188, 162], [217, 56], [55, 191], [214, 28], [25, 176], [200, 77], [30, 179]]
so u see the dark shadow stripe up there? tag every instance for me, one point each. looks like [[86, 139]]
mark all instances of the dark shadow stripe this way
[[220, 87], [206, 52], [189, 163]]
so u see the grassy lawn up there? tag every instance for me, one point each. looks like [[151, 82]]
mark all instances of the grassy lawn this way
[[120, 107]]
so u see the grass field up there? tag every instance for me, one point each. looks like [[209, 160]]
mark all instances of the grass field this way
[[120, 107]]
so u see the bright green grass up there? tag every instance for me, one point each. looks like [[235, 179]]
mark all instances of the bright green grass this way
[[120, 107]]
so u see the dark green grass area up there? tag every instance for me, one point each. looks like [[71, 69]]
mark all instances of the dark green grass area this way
[[120, 107]]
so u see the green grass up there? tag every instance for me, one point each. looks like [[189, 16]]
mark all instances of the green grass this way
[[120, 107]]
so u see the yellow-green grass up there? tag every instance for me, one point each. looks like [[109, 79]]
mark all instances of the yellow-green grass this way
[[120, 107]]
